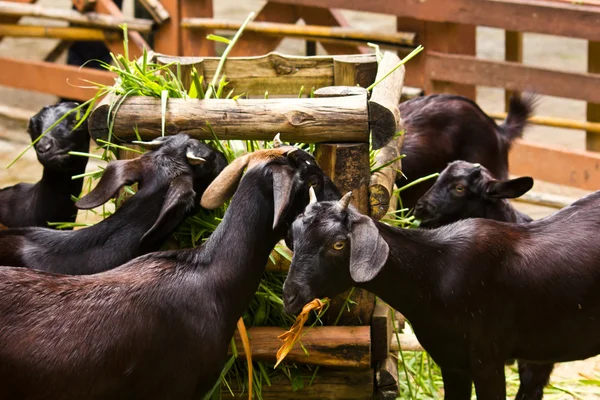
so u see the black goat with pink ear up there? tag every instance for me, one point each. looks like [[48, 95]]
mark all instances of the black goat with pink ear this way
[[477, 292]]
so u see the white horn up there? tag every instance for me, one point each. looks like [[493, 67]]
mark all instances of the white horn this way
[[345, 201], [277, 141], [311, 195], [193, 160], [153, 145]]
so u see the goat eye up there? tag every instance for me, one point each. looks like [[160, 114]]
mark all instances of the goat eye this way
[[459, 188], [338, 245]]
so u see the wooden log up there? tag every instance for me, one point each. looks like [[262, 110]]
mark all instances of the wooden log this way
[[90, 19], [592, 127], [57, 32], [314, 32], [298, 120], [275, 73], [405, 342], [348, 167], [386, 379], [565, 167], [381, 332], [545, 199], [279, 263], [381, 185], [383, 104], [354, 70], [156, 10], [328, 384], [513, 76], [330, 346], [60, 80]]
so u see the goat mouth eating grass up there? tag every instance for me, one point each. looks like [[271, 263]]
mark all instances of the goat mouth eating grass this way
[[477, 292]]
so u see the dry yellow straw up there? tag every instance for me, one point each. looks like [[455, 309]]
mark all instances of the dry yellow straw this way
[[246, 344]]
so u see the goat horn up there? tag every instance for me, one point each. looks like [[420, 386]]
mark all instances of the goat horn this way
[[193, 160], [312, 195], [277, 141], [345, 201], [153, 145]]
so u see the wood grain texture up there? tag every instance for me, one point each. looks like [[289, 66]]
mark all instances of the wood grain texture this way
[[273, 72], [332, 346], [381, 185], [386, 379], [298, 120], [381, 332], [354, 70], [513, 76], [328, 384]]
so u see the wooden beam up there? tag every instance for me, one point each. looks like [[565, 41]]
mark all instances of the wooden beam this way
[[156, 10], [513, 76], [58, 32], [136, 41], [44, 77], [14, 20], [298, 120], [592, 140], [167, 39], [331, 346], [579, 169], [513, 51], [590, 127], [93, 20], [194, 43], [540, 16]]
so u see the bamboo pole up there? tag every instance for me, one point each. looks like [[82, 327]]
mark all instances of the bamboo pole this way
[[315, 32], [92, 19], [556, 122], [58, 32]]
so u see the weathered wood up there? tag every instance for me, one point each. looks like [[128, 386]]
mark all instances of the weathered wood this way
[[328, 384], [565, 167], [354, 70], [592, 140], [194, 43], [384, 114], [336, 91], [58, 32], [386, 379], [513, 76], [156, 10], [348, 166], [331, 346], [545, 199], [539, 16], [591, 127], [513, 51], [91, 19], [279, 263], [381, 185], [408, 342], [381, 332], [314, 32], [60, 80], [298, 120], [275, 73]]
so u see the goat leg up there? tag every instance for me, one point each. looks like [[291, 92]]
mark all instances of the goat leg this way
[[533, 377], [457, 384]]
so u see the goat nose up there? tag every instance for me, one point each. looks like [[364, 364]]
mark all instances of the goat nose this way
[[43, 145], [424, 206]]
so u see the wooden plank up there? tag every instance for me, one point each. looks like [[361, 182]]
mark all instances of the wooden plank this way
[[58, 32], [251, 43], [44, 77], [545, 199], [386, 379], [278, 74], [381, 332], [94, 20], [136, 41], [298, 120], [167, 38], [194, 42], [513, 51], [513, 76], [156, 10], [329, 346], [415, 75], [579, 169], [328, 384], [540, 16], [14, 20], [592, 140]]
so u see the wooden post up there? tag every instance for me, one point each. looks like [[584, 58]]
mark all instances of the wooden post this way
[[592, 140], [513, 51], [167, 39], [194, 42]]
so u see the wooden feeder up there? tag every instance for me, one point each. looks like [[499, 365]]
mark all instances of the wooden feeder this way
[[354, 359]]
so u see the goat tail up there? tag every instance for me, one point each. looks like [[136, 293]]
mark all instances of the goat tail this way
[[519, 110]]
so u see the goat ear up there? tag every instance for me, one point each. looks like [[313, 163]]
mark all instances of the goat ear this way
[[179, 200], [118, 174], [368, 252], [283, 182], [509, 189], [225, 184]]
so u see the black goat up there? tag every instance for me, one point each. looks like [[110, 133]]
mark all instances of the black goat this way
[[442, 128], [169, 190], [466, 190], [49, 200], [478, 292], [159, 326]]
